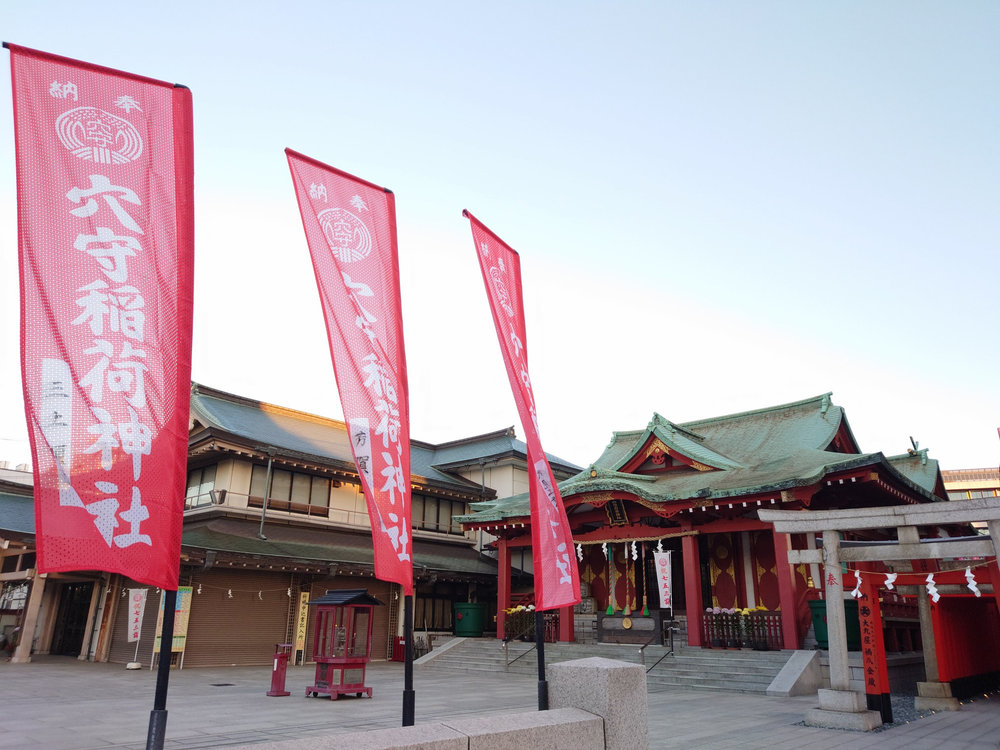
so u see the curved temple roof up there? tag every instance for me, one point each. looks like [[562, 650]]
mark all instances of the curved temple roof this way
[[738, 455]]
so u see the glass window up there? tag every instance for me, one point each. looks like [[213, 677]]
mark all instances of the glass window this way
[[281, 484], [207, 479], [417, 511], [301, 488], [320, 495], [199, 484], [444, 516], [257, 479], [430, 518]]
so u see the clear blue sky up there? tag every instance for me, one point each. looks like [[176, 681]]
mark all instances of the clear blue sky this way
[[719, 206]]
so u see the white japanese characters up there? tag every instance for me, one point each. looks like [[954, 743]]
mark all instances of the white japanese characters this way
[[663, 577], [348, 236], [98, 136], [381, 465], [550, 509], [107, 221]]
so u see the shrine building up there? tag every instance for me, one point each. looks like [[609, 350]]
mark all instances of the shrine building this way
[[694, 489]]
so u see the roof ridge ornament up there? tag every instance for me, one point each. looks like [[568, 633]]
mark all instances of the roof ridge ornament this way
[[916, 450], [825, 404]]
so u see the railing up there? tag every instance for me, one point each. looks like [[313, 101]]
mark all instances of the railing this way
[[241, 500], [669, 628], [757, 630], [520, 626], [349, 517], [506, 654]]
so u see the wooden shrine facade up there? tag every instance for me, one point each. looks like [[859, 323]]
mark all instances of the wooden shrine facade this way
[[695, 490]]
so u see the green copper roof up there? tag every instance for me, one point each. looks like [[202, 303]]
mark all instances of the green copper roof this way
[[918, 468], [677, 438], [761, 451]]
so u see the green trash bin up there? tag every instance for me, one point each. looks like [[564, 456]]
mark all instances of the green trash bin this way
[[818, 607], [469, 617]]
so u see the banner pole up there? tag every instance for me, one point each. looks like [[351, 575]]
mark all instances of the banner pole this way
[[543, 685], [409, 697], [158, 716]]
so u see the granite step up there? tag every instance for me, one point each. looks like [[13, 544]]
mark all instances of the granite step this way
[[709, 669]]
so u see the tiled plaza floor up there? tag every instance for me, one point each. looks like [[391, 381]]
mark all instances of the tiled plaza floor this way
[[59, 703]]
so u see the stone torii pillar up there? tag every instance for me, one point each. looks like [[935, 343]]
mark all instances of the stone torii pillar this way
[[839, 707], [932, 694]]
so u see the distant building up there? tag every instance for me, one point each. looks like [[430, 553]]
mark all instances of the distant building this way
[[967, 484]]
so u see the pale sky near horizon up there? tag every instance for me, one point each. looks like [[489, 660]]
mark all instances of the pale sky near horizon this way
[[718, 206]]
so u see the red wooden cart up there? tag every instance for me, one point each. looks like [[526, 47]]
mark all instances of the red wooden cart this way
[[342, 642]]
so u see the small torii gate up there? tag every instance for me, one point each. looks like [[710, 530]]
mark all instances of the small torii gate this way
[[840, 706]]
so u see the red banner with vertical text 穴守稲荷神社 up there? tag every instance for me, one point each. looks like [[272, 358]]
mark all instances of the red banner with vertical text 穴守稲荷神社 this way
[[105, 237], [557, 582], [350, 227]]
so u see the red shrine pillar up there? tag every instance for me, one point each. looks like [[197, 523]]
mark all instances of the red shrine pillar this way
[[995, 580], [692, 589], [786, 590], [503, 584], [566, 634]]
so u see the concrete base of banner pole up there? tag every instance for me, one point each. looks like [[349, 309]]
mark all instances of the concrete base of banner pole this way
[[613, 690], [157, 729], [133, 665]]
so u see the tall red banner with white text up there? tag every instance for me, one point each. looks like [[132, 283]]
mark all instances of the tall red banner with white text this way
[[106, 245], [350, 227], [557, 582]]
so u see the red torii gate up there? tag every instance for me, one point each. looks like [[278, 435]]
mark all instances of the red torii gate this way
[[840, 706]]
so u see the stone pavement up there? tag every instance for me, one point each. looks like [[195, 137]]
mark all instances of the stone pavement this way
[[59, 703]]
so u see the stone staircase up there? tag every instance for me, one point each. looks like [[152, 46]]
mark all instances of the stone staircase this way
[[706, 669]]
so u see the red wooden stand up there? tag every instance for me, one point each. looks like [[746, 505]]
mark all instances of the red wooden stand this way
[[342, 642]]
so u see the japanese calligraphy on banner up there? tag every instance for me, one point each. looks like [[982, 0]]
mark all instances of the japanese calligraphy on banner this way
[[302, 623], [663, 578], [876, 673], [350, 227], [105, 236], [136, 608], [557, 581]]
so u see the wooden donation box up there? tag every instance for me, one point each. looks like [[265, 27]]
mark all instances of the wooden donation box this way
[[342, 642]]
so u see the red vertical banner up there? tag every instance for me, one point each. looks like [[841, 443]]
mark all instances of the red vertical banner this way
[[873, 662], [557, 582], [664, 579], [350, 227], [106, 248]]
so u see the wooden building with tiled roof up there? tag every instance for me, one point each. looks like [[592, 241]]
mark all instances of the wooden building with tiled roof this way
[[273, 514], [694, 489]]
